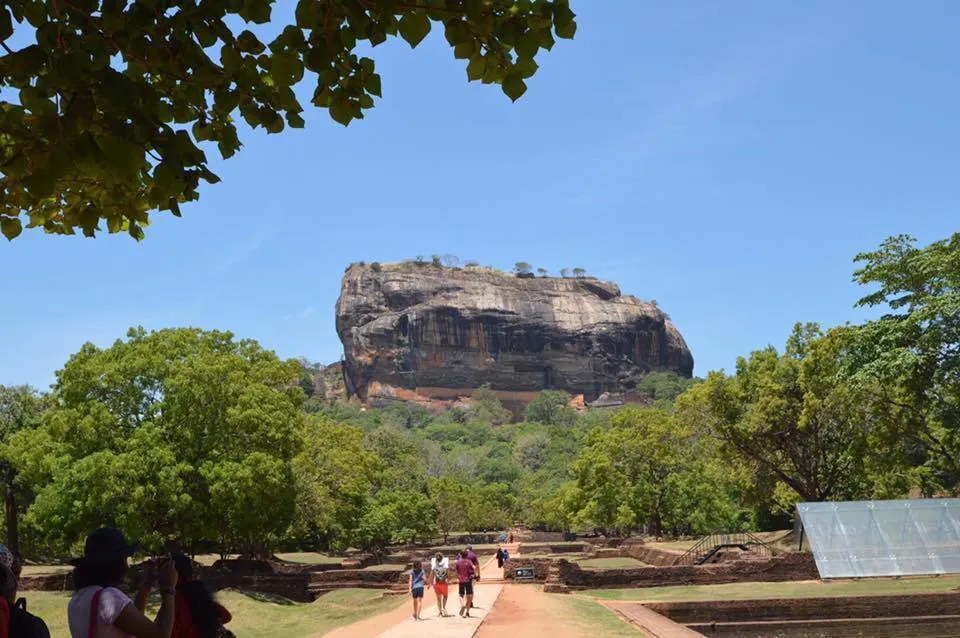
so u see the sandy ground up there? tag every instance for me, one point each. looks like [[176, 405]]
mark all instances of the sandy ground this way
[[524, 610]]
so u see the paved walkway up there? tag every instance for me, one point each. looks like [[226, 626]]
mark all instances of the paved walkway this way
[[651, 622], [453, 626]]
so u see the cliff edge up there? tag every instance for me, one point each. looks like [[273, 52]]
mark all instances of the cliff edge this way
[[434, 329]]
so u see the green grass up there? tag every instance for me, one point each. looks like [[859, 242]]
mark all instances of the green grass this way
[[803, 589], [597, 620], [616, 562], [252, 616], [310, 558], [386, 567]]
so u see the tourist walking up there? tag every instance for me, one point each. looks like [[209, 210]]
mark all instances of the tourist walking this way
[[465, 573], [473, 558], [439, 568], [418, 580], [98, 609], [500, 553]]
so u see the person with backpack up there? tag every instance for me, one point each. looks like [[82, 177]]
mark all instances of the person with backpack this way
[[439, 567], [15, 621], [98, 609]]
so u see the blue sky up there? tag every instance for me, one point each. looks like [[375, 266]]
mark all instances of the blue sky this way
[[727, 159]]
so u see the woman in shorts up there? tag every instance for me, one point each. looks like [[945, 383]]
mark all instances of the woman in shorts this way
[[439, 567], [418, 580]]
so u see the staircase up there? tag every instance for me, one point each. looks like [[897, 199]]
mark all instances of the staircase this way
[[553, 584], [709, 546]]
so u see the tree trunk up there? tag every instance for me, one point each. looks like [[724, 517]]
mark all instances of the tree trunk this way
[[10, 509]]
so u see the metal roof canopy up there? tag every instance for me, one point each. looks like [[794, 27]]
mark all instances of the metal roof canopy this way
[[857, 539]]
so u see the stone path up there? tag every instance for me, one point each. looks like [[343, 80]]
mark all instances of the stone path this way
[[651, 622], [399, 623]]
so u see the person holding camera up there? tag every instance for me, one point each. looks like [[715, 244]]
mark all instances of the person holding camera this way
[[98, 609]]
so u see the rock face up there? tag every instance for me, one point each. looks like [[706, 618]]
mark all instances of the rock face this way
[[432, 329]]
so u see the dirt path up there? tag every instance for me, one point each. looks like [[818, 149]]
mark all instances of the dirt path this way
[[524, 610]]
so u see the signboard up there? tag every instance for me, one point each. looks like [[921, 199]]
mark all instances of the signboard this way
[[523, 573]]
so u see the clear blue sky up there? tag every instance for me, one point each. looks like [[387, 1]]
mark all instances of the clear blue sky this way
[[727, 159]]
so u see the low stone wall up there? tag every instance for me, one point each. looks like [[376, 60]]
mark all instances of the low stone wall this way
[[569, 548], [357, 576], [914, 627], [739, 611], [541, 566], [785, 567], [290, 586], [651, 555], [47, 582]]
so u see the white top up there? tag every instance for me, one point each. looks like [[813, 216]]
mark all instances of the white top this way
[[441, 569], [112, 602]]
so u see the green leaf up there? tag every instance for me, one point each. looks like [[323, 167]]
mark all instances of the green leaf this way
[[341, 112], [514, 86], [373, 85], [528, 44], [566, 31], [10, 227], [123, 157], [464, 50], [6, 24], [526, 67], [295, 121], [414, 27], [168, 179], [286, 68], [475, 68], [249, 43]]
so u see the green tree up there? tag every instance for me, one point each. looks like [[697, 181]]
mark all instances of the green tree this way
[[108, 103], [793, 415], [551, 407], [531, 450], [542, 272], [579, 272], [649, 469], [451, 499], [150, 433], [565, 273], [20, 408], [665, 387], [909, 359], [522, 268], [486, 406], [333, 476], [395, 515]]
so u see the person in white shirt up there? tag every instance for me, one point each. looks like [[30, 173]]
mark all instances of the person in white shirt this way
[[439, 568], [98, 609]]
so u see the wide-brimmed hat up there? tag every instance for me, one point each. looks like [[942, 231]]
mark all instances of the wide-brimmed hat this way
[[107, 543]]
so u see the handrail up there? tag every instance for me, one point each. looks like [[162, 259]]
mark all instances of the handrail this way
[[705, 548]]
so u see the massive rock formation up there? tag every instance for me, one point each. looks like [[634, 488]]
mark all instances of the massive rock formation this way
[[434, 330]]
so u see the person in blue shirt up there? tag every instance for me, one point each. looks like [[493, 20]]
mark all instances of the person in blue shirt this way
[[417, 582]]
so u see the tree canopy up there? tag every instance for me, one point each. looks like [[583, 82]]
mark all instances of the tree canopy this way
[[112, 106]]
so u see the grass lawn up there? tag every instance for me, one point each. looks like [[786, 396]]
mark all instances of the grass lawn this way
[[386, 567], [597, 620], [42, 570], [310, 558], [254, 617], [802, 589], [616, 562]]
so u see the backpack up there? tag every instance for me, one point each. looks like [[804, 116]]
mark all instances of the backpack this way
[[24, 624]]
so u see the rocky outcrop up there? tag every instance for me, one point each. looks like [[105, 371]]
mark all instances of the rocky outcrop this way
[[423, 327]]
